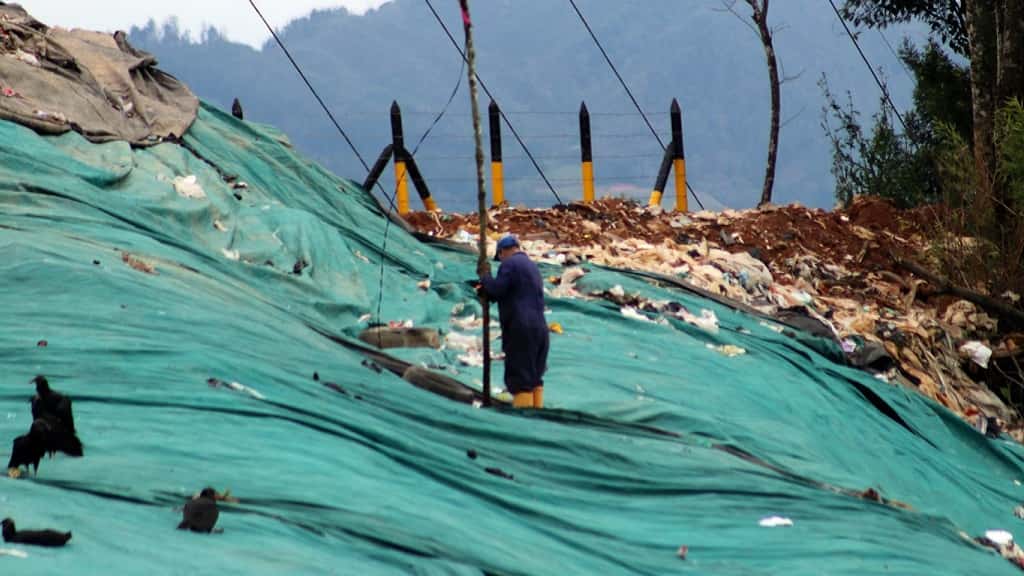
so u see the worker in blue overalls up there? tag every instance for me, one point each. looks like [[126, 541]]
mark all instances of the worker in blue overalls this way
[[519, 292]]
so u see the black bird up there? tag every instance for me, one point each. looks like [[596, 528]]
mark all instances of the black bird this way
[[200, 514], [42, 437], [48, 403], [28, 449], [52, 538], [236, 109]]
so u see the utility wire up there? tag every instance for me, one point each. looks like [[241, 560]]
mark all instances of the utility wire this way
[[440, 114], [491, 96], [885, 92], [310, 86], [626, 87]]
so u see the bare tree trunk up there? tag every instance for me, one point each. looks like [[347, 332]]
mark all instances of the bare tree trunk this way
[[760, 17], [981, 33]]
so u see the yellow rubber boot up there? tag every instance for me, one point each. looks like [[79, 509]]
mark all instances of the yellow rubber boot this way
[[538, 397], [523, 400]]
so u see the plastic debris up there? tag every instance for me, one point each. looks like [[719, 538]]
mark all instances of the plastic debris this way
[[977, 352], [218, 383], [555, 327], [188, 187], [26, 57], [1000, 537], [361, 256], [774, 522], [632, 314], [682, 551], [1019, 512], [706, 321], [13, 552], [424, 285], [729, 350], [42, 344], [400, 324], [364, 318], [230, 254], [137, 263], [220, 226]]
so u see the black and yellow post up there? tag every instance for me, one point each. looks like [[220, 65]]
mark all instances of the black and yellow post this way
[[378, 167], [497, 169], [659, 184], [586, 155], [419, 182], [678, 156], [398, 143]]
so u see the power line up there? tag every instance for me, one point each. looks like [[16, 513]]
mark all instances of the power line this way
[[885, 92], [626, 87], [491, 96], [310, 86]]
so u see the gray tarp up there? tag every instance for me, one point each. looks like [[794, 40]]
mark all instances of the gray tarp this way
[[54, 80]]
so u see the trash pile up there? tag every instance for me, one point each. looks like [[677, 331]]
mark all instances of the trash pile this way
[[837, 272]]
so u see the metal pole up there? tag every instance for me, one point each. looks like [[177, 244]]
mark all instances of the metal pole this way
[[483, 266], [678, 156], [398, 142], [497, 168], [586, 155]]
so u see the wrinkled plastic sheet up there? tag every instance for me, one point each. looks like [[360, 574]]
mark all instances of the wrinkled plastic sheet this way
[[651, 440]]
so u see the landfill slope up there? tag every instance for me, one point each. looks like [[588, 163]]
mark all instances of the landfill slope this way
[[132, 277]]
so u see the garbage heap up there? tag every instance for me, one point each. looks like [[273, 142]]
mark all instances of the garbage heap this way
[[841, 269]]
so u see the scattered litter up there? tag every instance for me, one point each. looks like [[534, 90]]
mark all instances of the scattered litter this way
[[464, 342], [682, 551], [424, 285], [471, 454], [775, 522], [555, 327], [137, 263], [1019, 512], [400, 324], [299, 266], [977, 352], [500, 473], [631, 313], [230, 254], [849, 345], [13, 552], [240, 185], [218, 383], [474, 358], [42, 344], [361, 256], [188, 187], [773, 327], [617, 291], [463, 237], [1000, 537], [220, 226], [727, 350], [10, 93], [364, 318], [707, 320], [466, 322], [26, 57]]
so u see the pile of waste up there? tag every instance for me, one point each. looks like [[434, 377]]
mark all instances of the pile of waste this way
[[837, 274]]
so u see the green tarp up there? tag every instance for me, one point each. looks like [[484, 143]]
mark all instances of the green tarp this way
[[144, 288]]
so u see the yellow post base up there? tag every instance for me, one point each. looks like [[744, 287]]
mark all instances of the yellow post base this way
[[401, 188], [430, 205], [498, 183], [679, 165], [655, 198], [588, 182]]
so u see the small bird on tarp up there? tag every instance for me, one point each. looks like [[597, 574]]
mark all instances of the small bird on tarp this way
[[201, 513], [50, 404], [236, 109], [42, 437], [52, 538]]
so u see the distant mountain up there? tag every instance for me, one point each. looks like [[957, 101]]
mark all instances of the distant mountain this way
[[540, 63]]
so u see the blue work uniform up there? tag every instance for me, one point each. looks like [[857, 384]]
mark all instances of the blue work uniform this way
[[519, 292]]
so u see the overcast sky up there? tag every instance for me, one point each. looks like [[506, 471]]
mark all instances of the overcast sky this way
[[233, 17]]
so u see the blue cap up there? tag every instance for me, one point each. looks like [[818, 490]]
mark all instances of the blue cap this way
[[507, 241]]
